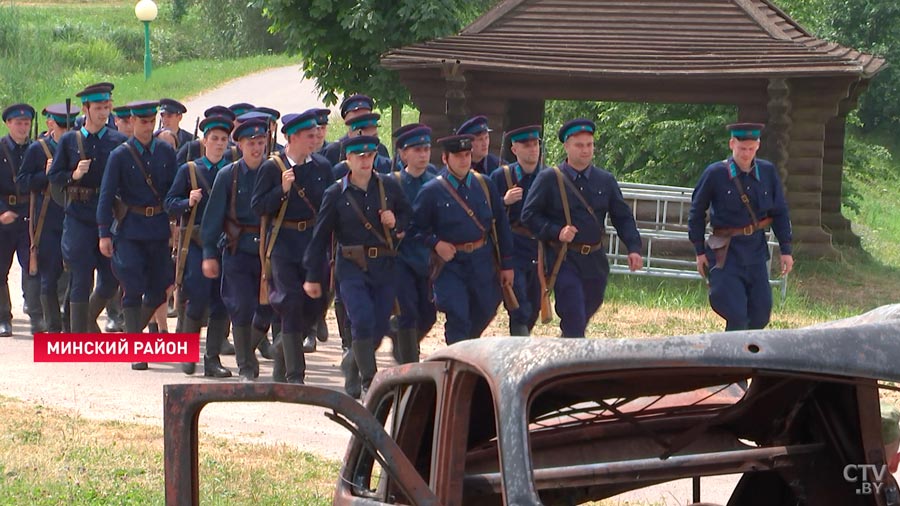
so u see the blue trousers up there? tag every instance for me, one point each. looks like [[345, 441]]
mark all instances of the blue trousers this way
[[369, 306], [81, 253], [199, 291], [468, 292], [577, 299], [297, 310], [741, 295], [528, 292], [14, 240], [145, 270], [50, 261], [240, 290], [417, 310]]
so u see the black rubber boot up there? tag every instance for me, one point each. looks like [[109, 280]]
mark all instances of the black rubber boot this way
[[309, 344], [406, 346], [52, 315], [294, 361], [265, 347], [352, 385], [278, 367], [78, 316], [215, 334], [114, 320], [191, 327], [364, 354], [96, 304], [256, 335], [322, 330], [31, 285], [133, 326], [227, 347], [242, 352], [518, 329]]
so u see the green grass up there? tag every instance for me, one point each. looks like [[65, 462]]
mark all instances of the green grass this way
[[50, 457]]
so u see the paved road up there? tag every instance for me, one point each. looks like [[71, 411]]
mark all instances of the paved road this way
[[114, 392]]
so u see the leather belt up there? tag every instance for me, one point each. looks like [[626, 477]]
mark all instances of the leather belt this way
[[748, 230], [522, 230], [80, 194], [371, 252], [17, 200], [146, 211], [468, 247], [299, 226], [579, 247]]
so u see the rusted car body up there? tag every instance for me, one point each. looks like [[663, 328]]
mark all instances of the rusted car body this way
[[530, 421]]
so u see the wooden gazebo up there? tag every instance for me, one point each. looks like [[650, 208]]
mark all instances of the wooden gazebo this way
[[746, 53]]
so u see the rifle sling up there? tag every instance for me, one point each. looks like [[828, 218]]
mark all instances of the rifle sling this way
[[189, 229], [42, 215], [140, 166], [362, 217]]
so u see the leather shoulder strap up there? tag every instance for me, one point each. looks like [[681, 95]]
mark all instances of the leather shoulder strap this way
[[383, 200], [563, 179], [140, 165], [462, 203], [301, 191], [746, 201], [79, 142], [362, 217], [507, 173], [564, 199], [232, 210], [46, 148]]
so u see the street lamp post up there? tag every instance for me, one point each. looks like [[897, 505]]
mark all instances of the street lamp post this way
[[146, 11]]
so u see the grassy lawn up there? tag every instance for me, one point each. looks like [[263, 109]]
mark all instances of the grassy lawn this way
[[51, 457]]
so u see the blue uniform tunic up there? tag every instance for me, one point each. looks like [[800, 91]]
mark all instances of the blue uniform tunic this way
[[33, 178], [79, 239], [467, 289], [739, 291], [241, 269], [368, 295], [141, 259], [312, 177], [14, 238], [526, 284], [581, 282], [417, 310], [488, 164], [199, 291]]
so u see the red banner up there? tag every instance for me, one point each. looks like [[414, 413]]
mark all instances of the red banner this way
[[117, 347]]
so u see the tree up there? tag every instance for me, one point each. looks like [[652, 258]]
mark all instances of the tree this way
[[341, 41]]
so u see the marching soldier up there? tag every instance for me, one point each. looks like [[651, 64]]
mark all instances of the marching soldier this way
[[170, 112], [14, 208], [139, 172], [514, 182], [194, 149], [398, 162], [78, 166], [566, 208], [48, 220], [483, 161], [365, 211], [187, 198], [417, 311], [272, 116], [744, 196], [230, 222], [288, 194], [460, 217], [351, 107], [364, 124], [322, 116]]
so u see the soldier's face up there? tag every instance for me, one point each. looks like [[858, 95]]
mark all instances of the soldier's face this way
[[416, 157], [19, 128], [253, 149], [170, 120], [458, 163], [743, 151], [124, 126], [321, 132], [360, 162], [580, 149], [215, 141], [527, 152], [143, 127], [305, 140], [480, 145], [97, 112]]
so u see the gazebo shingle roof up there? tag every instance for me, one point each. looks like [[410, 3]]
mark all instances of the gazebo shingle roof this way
[[662, 38]]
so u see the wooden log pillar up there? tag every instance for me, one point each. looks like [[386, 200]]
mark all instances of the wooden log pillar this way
[[814, 102]]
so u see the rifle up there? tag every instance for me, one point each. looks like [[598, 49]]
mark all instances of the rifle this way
[[509, 295], [183, 242], [264, 265]]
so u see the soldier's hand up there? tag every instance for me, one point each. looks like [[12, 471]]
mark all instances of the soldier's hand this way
[[7, 218], [287, 179], [106, 247], [635, 261], [314, 290], [195, 197], [445, 250], [47, 166], [81, 169], [567, 233], [387, 218], [210, 268], [787, 264], [506, 277], [702, 264], [513, 195]]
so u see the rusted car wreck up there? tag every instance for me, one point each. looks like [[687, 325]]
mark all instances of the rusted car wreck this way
[[530, 421]]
